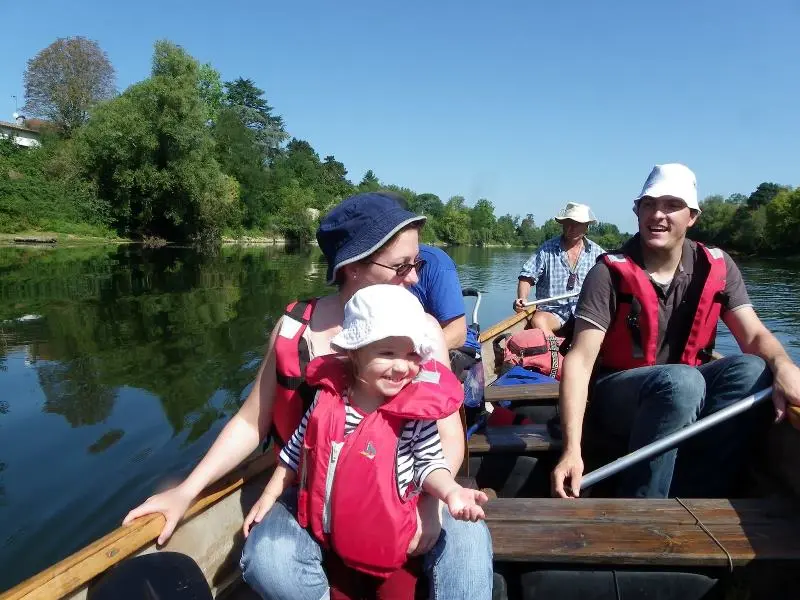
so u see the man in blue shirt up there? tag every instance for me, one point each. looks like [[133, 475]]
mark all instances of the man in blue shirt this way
[[439, 291]]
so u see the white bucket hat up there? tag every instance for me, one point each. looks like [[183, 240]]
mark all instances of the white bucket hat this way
[[380, 311], [671, 179], [580, 213]]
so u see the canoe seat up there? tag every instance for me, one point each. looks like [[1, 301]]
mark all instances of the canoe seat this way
[[513, 439], [545, 393], [627, 531]]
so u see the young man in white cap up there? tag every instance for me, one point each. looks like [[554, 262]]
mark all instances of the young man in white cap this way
[[645, 324], [559, 266]]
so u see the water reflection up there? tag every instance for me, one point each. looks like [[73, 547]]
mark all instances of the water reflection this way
[[126, 367]]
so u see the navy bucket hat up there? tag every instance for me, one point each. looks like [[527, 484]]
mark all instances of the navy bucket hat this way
[[359, 226]]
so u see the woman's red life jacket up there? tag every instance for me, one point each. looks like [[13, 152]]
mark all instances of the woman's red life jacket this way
[[633, 338], [292, 395], [348, 495]]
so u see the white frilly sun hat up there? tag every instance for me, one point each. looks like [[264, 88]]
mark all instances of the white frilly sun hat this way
[[380, 311]]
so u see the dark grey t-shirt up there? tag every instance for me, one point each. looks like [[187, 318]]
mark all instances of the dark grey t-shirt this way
[[598, 300]]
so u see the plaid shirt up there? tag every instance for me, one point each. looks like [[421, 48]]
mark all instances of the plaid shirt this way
[[549, 270]]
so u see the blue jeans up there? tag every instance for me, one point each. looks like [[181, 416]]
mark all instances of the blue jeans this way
[[645, 404], [281, 561]]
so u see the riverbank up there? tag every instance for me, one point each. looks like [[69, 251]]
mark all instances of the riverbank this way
[[52, 238], [49, 238]]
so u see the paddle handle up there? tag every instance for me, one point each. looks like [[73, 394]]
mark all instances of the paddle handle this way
[[545, 300], [673, 439]]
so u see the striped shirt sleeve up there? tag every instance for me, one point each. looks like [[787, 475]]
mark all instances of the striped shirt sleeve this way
[[290, 453], [427, 452]]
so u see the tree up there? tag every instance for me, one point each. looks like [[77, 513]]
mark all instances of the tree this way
[[209, 85], [429, 205], [763, 194], [66, 79], [551, 229], [151, 155], [783, 218], [247, 100], [713, 225], [369, 183], [736, 199], [482, 221], [505, 230], [527, 231], [241, 157], [335, 185]]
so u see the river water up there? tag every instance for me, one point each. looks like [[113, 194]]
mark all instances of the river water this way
[[119, 365]]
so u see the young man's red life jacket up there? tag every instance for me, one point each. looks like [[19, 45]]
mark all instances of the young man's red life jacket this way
[[632, 340], [348, 495], [292, 395]]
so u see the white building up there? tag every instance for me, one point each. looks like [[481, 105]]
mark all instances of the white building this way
[[19, 133]]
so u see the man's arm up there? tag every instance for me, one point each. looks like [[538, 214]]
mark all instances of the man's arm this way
[[574, 392], [753, 337], [455, 331], [531, 271], [523, 289]]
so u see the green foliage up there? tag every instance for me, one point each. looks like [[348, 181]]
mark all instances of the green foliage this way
[[40, 190], [183, 156], [246, 100], [550, 229], [783, 219], [766, 221], [369, 183], [763, 194], [607, 235], [243, 159], [151, 155], [209, 84], [296, 218]]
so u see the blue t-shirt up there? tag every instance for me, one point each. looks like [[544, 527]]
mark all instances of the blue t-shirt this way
[[439, 289]]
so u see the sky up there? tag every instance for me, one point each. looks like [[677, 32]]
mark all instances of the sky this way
[[528, 103]]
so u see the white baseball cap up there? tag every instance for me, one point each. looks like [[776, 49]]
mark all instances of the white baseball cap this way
[[671, 179], [580, 213], [380, 311]]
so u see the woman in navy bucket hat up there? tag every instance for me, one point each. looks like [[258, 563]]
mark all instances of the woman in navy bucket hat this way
[[366, 239], [359, 227]]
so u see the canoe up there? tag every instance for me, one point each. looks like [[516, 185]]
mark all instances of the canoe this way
[[596, 533]]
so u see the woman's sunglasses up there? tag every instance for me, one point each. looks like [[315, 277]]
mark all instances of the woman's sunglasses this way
[[404, 269]]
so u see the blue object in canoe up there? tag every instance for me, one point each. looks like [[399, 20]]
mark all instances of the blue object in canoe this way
[[514, 376]]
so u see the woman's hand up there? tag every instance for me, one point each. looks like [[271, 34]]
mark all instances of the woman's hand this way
[[173, 504]]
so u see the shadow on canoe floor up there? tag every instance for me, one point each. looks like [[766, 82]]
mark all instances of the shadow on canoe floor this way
[[173, 576]]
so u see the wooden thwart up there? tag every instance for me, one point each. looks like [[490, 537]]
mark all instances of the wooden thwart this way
[[637, 531], [537, 392], [513, 439]]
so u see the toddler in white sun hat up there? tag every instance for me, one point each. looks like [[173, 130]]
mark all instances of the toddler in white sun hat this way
[[369, 443]]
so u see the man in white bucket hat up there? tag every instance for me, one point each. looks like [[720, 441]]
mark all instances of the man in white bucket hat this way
[[644, 332], [559, 267]]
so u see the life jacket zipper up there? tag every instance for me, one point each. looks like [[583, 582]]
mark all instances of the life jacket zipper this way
[[336, 447]]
